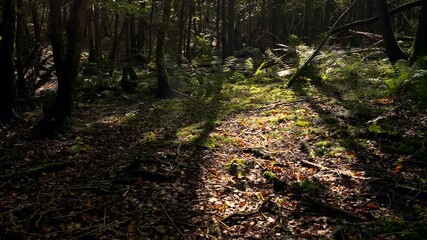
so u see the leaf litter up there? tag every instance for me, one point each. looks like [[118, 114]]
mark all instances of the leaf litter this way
[[134, 169]]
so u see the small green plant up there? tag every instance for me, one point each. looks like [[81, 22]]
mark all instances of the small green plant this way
[[294, 40], [306, 187], [409, 81], [235, 166]]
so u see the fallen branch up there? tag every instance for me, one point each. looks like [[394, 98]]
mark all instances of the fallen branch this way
[[300, 70], [334, 210], [247, 214], [171, 221], [404, 7], [48, 167], [321, 167]]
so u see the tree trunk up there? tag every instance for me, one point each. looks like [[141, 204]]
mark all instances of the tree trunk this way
[[115, 47], [420, 44], [181, 30], [61, 109], [279, 23], [231, 21], [393, 51], [55, 20], [97, 30], [150, 31], [36, 23], [164, 89], [308, 19], [224, 43], [93, 55], [20, 31], [190, 8], [7, 79]]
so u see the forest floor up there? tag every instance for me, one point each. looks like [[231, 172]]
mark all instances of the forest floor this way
[[333, 158]]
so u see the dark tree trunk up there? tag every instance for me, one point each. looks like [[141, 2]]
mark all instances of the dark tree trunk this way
[[217, 26], [308, 19], [279, 23], [181, 27], [142, 25], [7, 79], [97, 31], [394, 52], [231, 29], [55, 19], [115, 47], [20, 31], [150, 30], [420, 44], [36, 23], [188, 36], [93, 55], [164, 89], [132, 32], [224, 43], [61, 109]]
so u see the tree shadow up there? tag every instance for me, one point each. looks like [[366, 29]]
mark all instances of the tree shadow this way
[[379, 148], [132, 172]]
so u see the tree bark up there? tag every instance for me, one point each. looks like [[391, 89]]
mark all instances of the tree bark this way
[[55, 22], [420, 44], [164, 89], [61, 109], [7, 79], [20, 31], [393, 51], [231, 23], [225, 52], [36, 23], [308, 18], [181, 27], [278, 23]]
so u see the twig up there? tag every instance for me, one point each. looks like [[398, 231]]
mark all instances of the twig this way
[[335, 210], [103, 227], [171, 220]]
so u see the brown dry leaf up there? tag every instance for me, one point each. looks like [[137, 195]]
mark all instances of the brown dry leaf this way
[[87, 203], [371, 206], [398, 169]]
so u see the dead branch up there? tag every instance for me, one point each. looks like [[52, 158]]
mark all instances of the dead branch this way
[[335, 29], [247, 214], [321, 167], [371, 20], [300, 70], [48, 167], [333, 209], [172, 221], [372, 36]]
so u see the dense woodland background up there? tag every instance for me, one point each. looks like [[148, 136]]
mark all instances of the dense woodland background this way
[[196, 119]]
